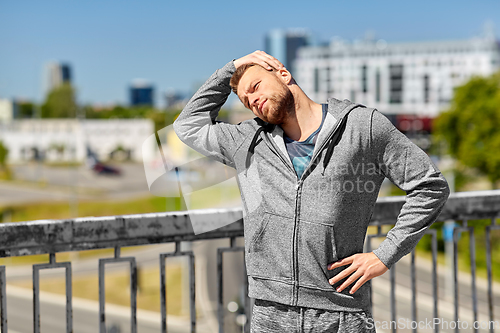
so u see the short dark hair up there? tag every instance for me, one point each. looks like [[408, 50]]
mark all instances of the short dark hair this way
[[237, 75]]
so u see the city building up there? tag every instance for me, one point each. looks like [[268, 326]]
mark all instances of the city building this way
[[8, 110], [141, 93], [400, 79], [57, 74], [68, 139], [283, 44], [174, 99]]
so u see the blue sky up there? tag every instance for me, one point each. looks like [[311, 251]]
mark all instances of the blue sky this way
[[178, 44]]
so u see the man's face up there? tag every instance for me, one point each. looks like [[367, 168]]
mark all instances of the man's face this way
[[266, 94]]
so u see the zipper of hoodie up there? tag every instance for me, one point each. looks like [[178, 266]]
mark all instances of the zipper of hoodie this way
[[294, 246], [297, 207], [298, 189], [298, 183]]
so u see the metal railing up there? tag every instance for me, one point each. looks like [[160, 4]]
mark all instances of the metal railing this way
[[53, 236]]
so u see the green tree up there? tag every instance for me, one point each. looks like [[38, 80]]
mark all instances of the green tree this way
[[471, 126], [26, 110], [117, 111], [60, 103], [161, 118], [4, 152], [4, 168]]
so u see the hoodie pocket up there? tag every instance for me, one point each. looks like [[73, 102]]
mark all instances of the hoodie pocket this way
[[269, 252], [316, 248]]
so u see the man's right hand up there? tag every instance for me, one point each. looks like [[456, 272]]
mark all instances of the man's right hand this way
[[260, 58]]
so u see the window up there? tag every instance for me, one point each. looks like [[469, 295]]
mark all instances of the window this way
[[316, 80], [426, 88], [328, 81], [364, 80], [396, 84], [377, 86]]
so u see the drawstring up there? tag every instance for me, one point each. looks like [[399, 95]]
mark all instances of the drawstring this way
[[333, 142], [264, 127]]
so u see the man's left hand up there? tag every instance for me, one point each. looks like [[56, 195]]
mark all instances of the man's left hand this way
[[364, 266]]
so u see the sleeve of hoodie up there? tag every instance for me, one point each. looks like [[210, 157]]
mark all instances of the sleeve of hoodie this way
[[410, 169], [196, 125]]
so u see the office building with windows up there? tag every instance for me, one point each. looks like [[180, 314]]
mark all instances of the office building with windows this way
[[57, 74], [283, 44], [414, 78], [141, 93]]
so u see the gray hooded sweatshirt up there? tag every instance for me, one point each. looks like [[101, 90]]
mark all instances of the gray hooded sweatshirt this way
[[295, 227]]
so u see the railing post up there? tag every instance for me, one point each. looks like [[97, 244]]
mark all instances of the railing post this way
[[163, 287], [133, 289], [472, 253], [3, 300], [490, 227], [368, 249], [434, 250], [36, 292], [220, 283]]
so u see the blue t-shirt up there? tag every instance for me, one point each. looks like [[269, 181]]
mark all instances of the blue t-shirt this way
[[300, 152]]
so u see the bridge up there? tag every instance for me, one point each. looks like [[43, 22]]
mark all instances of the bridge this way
[[395, 295]]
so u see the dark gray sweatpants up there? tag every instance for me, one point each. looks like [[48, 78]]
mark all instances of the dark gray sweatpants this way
[[271, 317]]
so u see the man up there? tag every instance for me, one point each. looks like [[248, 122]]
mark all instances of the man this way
[[309, 176]]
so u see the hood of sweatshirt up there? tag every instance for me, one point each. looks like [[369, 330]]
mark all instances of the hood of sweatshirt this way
[[329, 134]]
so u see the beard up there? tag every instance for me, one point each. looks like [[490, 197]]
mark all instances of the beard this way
[[281, 107]]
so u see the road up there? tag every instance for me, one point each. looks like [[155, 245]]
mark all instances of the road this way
[[85, 315], [39, 183]]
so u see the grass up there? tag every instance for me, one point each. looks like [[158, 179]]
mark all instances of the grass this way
[[62, 164], [150, 204], [5, 173], [62, 210]]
